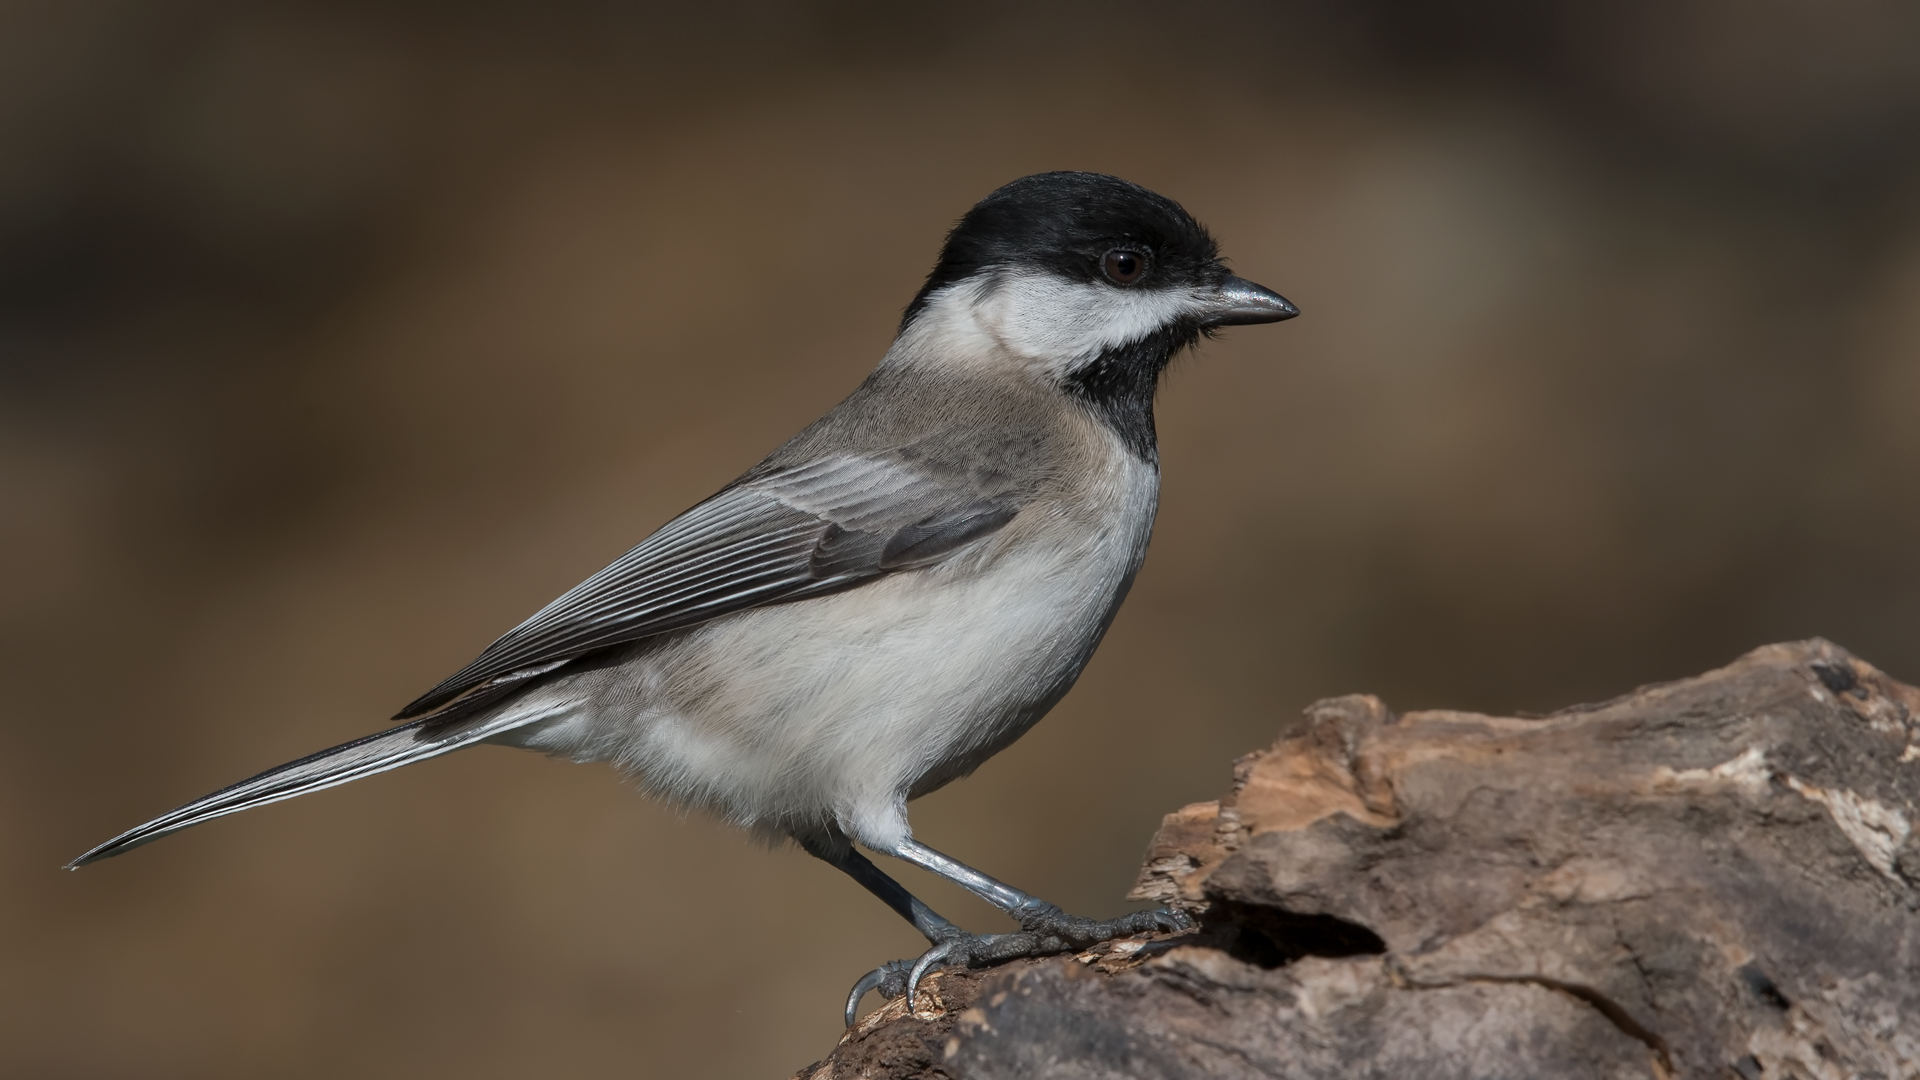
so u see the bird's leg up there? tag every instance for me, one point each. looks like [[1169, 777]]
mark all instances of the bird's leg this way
[[836, 851], [1055, 931], [1044, 928], [897, 977]]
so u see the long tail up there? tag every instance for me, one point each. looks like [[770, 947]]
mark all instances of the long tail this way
[[378, 753]]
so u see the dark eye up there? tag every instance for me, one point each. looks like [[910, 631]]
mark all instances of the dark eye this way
[[1124, 267]]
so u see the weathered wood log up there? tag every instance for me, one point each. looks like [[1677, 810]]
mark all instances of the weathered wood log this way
[[1717, 877]]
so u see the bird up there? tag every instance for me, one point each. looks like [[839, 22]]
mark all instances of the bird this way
[[890, 598]]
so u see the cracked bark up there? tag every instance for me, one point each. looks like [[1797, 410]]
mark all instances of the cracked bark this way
[[1718, 877]]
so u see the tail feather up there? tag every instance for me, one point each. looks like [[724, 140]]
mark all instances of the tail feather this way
[[363, 757]]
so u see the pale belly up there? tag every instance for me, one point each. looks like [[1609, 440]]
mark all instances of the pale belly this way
[[836, 710]]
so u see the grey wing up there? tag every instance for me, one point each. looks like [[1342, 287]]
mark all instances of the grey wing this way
[[787, 535]]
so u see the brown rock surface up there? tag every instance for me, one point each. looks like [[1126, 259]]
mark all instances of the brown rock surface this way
[[1717, 877]]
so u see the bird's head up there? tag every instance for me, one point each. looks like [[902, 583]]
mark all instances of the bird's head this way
[[1072, 275]]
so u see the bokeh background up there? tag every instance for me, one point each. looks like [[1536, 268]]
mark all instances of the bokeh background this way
[[336, 338]]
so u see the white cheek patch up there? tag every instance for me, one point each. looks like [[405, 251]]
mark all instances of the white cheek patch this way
[[1053, 324]]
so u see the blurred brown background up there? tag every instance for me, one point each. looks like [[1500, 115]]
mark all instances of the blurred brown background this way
[[336, 338]]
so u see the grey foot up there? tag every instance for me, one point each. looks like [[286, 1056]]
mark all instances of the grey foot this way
[[1075, 933], [900, 977], [1047, 932]]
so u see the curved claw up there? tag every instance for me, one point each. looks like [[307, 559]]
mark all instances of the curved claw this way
[[870, 981], [874, 980], [1172, 921], [927, 959]]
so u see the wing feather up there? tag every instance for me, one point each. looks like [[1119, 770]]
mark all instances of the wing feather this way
[[815, 528]]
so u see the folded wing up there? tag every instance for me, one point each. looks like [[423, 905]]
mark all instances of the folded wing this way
[[782, 536]]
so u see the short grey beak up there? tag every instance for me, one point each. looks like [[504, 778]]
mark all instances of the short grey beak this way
[[1240, 302]]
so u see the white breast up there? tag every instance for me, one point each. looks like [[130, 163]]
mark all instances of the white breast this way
[[835, 709]]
